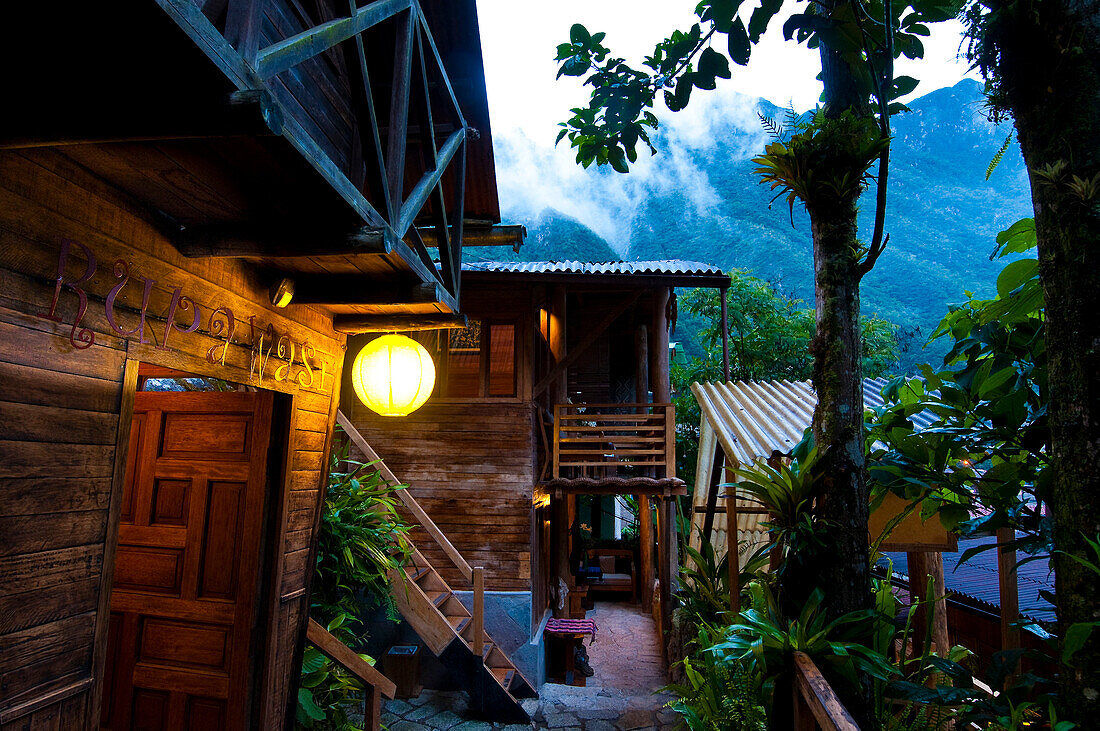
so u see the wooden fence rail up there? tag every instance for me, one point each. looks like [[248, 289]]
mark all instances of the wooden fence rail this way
[[593, 439], [816, 705], [375, 684]]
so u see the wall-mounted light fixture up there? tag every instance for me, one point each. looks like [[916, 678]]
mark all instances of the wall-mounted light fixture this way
[[393, 375], [282, 292]]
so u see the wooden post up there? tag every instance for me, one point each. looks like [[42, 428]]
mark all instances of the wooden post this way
[[645, 543], [940, 636], [559, 519], [477, 636], [725, 336], [559, 389], [372, 709], [658, 348], [1010, 590], [732, 549], [641, 365], [918, 589], [665, 537], [717, 473]]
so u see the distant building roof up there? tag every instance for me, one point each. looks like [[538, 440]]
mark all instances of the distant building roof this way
[[674, 272], [977, 579]]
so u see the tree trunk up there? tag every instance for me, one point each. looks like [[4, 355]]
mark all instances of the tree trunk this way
[[1049, 78], [841, 567]]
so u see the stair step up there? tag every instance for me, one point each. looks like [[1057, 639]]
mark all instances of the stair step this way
[[420, 573], [488, 647], [504, 676], [458, 623], [438, 597]]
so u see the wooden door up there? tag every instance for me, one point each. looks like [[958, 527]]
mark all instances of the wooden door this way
[[179, 653]]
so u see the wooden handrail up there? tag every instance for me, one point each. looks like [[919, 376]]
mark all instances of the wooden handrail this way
[[406, 497], [813, 693], [375, 684]]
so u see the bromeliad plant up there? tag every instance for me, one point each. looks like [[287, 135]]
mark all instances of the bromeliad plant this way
[[363, 542], [764, 641], [704, 592]]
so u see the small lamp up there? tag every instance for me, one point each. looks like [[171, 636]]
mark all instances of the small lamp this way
[[393, 375]]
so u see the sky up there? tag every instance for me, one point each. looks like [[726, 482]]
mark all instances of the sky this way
[[526, 103]]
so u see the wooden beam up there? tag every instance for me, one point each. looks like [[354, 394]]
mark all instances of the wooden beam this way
[[725, 335], [423, 189], [355, 324], [280, 56], [716, 474], [399, 115], [273, 242], [557, 342], [666, 530], [345, 289], [559, 369]]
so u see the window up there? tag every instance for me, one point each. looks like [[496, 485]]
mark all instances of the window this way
[[480, 361]]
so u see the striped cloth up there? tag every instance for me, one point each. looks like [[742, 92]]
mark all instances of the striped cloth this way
[[572, 626]]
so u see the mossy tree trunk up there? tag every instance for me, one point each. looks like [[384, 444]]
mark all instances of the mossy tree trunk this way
[[1048, 76], [841, 566]]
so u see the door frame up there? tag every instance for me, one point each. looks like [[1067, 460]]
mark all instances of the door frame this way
[[262, 678]]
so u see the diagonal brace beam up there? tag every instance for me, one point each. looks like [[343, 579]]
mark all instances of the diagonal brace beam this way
[[419, 195], [280, 56]]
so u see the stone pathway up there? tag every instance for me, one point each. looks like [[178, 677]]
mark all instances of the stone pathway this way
[[629, 667]]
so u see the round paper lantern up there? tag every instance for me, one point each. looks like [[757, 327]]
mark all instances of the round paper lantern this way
[[393, 375]]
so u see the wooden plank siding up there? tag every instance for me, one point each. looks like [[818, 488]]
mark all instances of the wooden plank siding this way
[[62, 412], [471, 465]]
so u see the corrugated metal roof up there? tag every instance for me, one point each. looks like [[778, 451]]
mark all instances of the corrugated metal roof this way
[[753, 419], [658, 267], [978, 578]]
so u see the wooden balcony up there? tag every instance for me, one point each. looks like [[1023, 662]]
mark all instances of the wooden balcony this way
[[615, 449], [305, 138]]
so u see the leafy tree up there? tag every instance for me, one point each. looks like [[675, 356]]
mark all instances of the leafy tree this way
[[824, 166], [770, 334], [1041, 62]]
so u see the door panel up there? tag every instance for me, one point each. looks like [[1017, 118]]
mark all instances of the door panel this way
[[188, 562]]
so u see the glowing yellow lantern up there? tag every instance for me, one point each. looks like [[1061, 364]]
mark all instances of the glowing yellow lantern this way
[[393, 375]]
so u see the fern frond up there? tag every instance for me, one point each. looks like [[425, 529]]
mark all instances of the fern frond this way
[[773, 128], [998, 157], [792, 116]]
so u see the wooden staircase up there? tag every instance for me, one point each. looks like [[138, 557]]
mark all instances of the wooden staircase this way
[[453, 633]]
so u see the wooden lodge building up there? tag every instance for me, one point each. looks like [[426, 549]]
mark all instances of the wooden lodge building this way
[[164, 166], [226, 190], [557, 387]]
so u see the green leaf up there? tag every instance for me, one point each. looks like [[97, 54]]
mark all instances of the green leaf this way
[[579, 35], [758, 22], [903, 85], [714, 64], [739, 45], [617, 157], [1015, 274], [306, 703]]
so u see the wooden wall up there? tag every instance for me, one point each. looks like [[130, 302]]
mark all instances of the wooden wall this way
[[471, 466], [63, 410]]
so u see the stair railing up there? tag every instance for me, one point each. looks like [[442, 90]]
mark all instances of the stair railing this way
[[816, 705], [375, 684], [474, 575]]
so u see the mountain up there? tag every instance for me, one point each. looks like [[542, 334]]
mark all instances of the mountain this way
[[699, 199]]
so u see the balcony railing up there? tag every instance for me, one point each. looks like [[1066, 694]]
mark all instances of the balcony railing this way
[[614, 440]]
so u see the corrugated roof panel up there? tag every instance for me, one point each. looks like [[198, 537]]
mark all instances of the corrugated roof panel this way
[[766, 416], [658, 267]]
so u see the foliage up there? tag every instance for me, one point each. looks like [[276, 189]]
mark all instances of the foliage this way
[[715, 696], [619, 113], [704, 579], [982, 464], [764, 641], [769, 337], [363, 539]]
